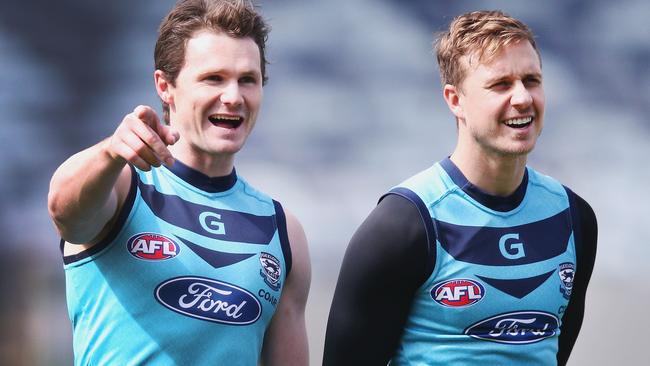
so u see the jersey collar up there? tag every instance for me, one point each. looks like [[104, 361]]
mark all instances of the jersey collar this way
[[202, 181], [496, 203]]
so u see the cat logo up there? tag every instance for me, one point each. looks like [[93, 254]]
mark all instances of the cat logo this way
[[566, 271], [271, 270]]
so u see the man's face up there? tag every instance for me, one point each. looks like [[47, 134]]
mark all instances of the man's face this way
[[217, 94], [501, 103]]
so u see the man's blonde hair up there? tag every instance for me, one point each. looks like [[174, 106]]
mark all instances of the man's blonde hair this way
[[479, 33]]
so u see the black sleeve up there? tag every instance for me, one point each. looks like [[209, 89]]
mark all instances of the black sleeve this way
[[585, 236], [387, 259]]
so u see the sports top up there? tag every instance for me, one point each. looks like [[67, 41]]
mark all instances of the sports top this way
[[190, 275]]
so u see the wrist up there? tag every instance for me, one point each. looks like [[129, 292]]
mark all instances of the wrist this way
[[109, 155]]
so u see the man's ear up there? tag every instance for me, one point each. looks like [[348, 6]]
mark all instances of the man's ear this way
[[163, 87], [452, 96]]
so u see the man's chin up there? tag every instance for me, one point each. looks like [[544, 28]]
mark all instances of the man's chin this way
[[520, 150], [225, 149]]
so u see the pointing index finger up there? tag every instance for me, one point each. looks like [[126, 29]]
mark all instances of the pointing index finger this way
[[147, 115], [155, 142], [153, 134]]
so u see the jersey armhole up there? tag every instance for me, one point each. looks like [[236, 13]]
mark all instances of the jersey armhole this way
[[427, 221], [117, 227], [575, 225], [281, 222]]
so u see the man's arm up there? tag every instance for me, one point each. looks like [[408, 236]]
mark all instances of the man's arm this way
[[386, 261], [285, 341], [586, 236], [87, 190]]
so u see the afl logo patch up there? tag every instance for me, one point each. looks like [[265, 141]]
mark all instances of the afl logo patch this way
[[152, 247], [566, 271], [271, 270], [457, 292]]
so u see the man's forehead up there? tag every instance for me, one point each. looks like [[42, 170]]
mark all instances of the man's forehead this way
[[209, 49], [206, 40], [503, 60]]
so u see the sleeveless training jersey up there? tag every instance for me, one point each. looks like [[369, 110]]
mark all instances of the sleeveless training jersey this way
[[503, 274], [191, 274]]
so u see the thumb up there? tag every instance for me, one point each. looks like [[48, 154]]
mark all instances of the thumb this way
[[169, 135]]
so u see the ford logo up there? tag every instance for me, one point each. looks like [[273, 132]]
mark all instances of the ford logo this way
[[208, 299], [520, 327]]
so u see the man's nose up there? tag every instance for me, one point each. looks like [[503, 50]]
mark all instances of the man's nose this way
[[521, 97], [231, 94]]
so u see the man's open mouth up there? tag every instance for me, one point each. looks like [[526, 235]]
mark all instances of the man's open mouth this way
[[519, 122], [226, 121]]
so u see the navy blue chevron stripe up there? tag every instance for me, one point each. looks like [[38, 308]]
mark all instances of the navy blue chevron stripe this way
[[540, 240], [215, 258], [208, 221], [519, 287]]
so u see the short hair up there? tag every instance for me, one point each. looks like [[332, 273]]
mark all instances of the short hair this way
[[480, 33], [237, 18]]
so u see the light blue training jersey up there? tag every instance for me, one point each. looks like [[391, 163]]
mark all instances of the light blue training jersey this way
[[191, 274], [503, 272]]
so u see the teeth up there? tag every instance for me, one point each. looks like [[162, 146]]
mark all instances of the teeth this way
[[519, 121], [224, 117]]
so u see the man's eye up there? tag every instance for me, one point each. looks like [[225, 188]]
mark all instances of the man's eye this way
[[501, 85], [532, 81], [248, 80]]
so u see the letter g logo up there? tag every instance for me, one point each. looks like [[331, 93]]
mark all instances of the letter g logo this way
[[210, 225], [518, 248]]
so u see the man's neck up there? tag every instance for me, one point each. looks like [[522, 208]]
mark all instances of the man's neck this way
[[210, 165], [496, 175]]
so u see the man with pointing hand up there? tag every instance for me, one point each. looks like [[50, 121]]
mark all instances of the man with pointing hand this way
[[170, 256]]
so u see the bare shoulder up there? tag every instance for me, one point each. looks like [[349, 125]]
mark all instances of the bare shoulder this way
[[301, 266], [300, 274], [285, 340]]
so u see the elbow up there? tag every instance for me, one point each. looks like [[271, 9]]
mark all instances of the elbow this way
[[57, 213], [54, 207], [63, 229], [60, 215], [71, 225]]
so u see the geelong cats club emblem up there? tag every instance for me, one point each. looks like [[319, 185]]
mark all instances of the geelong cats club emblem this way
[[566, 273], [271, 270]]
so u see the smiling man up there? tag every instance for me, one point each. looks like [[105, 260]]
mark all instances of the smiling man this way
[[170, 256], [472, 261]]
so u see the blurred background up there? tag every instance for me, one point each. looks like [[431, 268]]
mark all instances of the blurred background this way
[[353, 107]]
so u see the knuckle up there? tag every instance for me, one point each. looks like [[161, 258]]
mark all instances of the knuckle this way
[[140, 149], [120, 133], [130, 156], [151, 139], [128, 122]]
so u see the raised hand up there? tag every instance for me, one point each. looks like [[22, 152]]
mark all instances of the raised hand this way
[[142, 140]]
